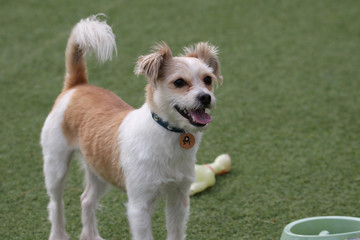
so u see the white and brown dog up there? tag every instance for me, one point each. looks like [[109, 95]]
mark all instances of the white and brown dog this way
[[148, 152]]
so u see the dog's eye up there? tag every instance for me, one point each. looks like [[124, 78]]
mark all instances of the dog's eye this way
[[207, 80], [179, 83]]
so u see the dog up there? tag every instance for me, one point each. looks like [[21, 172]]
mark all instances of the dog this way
[[149, 152]]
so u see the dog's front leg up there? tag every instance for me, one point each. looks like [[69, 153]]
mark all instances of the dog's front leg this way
[[139, 210], [177, 212]]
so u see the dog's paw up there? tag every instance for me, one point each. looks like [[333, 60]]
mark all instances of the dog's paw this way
[[62, 236], [90, 237]]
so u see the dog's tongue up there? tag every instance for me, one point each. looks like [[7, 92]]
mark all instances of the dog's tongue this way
[[200, 116]]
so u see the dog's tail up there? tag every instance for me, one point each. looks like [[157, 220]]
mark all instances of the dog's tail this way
[[88, 36]]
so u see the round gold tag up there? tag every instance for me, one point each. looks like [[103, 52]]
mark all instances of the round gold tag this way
[[187, 140]]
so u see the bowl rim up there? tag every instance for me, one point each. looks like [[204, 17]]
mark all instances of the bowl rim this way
[[292, 224]]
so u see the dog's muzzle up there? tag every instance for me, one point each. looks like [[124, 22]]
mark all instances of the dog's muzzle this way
[[198, 116]]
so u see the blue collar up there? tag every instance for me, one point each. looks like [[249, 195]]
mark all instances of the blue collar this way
[[165, 124]]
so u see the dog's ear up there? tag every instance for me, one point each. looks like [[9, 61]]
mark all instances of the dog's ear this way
[[151, 65], [207, 53]]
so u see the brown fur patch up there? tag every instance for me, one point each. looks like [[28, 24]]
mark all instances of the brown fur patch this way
[[92, 122], [194, 55], [75, 65], [149, 93]]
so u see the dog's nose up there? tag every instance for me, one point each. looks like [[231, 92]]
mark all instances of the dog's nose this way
[[204, 98]]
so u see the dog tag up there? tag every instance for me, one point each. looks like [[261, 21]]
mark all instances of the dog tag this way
[[187, 140]]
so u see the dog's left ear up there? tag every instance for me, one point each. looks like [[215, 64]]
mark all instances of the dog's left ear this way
[[207, 53], [152, 64]]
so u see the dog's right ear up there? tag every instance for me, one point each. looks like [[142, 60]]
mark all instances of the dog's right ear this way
[[151, 65]]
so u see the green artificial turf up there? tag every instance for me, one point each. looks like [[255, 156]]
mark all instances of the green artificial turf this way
[[288, 111]]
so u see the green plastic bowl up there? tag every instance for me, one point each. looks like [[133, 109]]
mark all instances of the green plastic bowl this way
[[321, 228]]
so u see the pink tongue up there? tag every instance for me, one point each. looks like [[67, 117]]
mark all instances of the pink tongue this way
[[200, 116]]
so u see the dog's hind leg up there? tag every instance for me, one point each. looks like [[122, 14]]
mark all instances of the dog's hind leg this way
[[94, 190], [57, 156], [56, 169]]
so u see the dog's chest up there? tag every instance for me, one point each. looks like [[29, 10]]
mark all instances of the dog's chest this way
[[154, 154]]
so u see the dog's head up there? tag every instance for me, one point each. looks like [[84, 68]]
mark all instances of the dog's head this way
[[180, 89]]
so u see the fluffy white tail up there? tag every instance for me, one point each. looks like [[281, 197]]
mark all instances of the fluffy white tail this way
[[90, 35]]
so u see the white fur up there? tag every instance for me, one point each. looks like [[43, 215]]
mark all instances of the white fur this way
[[57, 156], [155, 165], [95, 35], [94, 190]]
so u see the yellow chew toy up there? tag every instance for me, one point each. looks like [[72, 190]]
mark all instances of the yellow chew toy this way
[[205, 174]]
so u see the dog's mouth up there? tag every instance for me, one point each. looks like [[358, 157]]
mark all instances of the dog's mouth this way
[[196, 117]]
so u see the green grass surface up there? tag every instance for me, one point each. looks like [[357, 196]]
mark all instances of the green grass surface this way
[[288, 111]]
